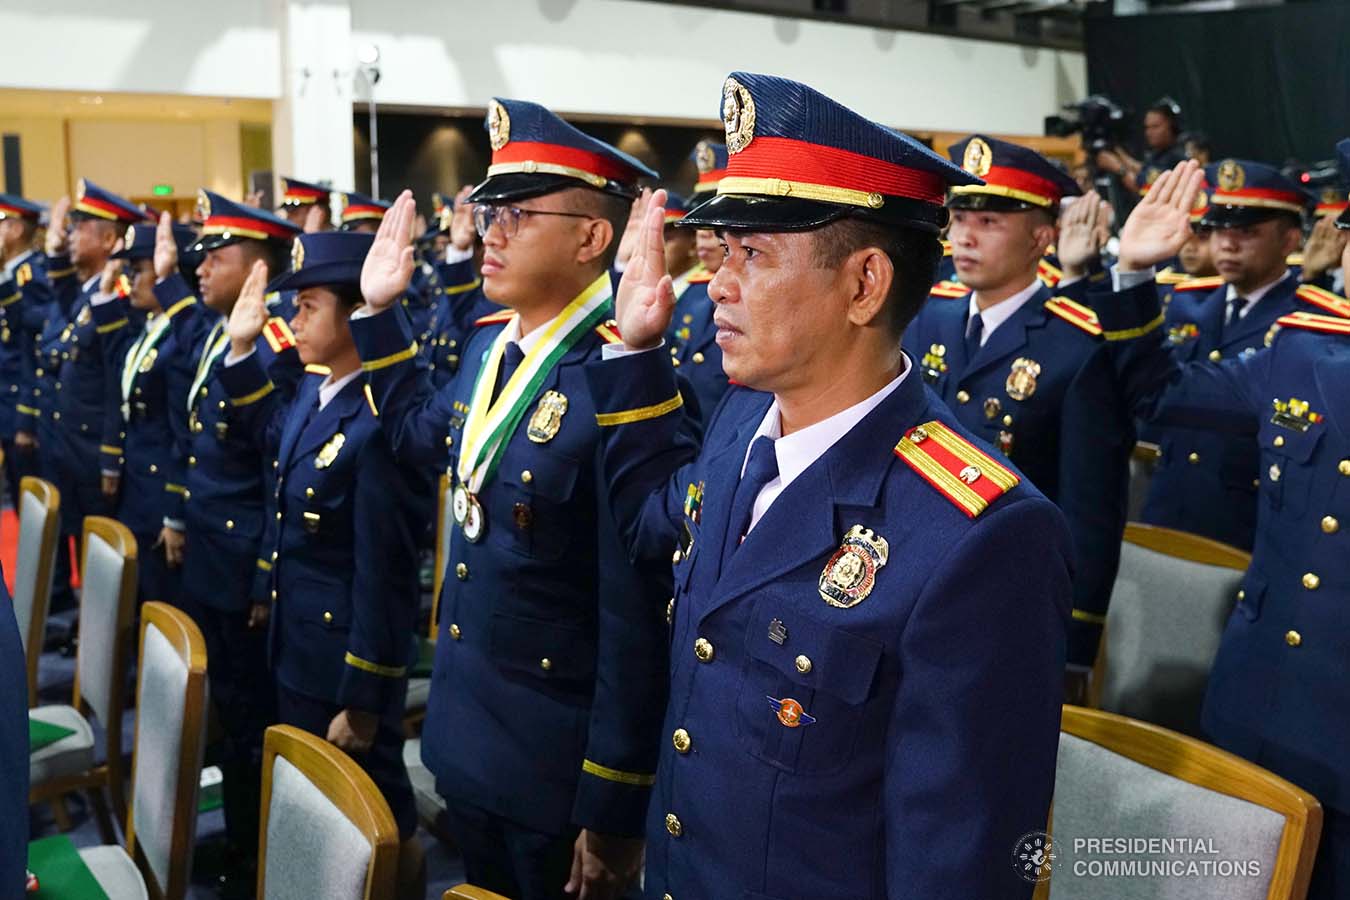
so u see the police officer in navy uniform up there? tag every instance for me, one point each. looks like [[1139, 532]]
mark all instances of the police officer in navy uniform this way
[[72, 372], [24, 295], [14, 750], [344, 565], [226, 512], [461, 301], [150, 378], [1274, 696], [548, 686], [363, 214], [1028, 370], [301, 200], [868, 626], [1206, 481]]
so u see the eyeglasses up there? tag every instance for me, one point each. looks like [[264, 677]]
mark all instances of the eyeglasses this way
[[507, 218]]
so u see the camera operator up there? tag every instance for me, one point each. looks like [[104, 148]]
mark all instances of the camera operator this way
[[1162, 130]]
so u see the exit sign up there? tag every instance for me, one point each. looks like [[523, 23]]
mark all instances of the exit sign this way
[[162, 190]]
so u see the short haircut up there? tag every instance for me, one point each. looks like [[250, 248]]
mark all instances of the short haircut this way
[[914, 254], [610, 207], [274, 254], [348, 295], [1199, 139]]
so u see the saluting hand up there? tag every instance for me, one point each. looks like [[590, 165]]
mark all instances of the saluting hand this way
[[388, 268], [628, 240], [56, 228], [250, 311], [646, 299], [1160, 225], [314, 220], [462, 228], [1080, 235], [166, 249], [107, 282], [1323, 250]]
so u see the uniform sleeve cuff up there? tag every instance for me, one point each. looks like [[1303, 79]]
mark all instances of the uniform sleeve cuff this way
[[383, 339]]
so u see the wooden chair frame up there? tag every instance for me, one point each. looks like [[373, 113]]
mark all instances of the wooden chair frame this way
[[1206, 766], [349, 788], [469, 892], [110, 774], [187, 640], [50, 498], [1180, 545]]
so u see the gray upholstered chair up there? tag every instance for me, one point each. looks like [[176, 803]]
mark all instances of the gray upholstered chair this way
[[1173, 594], [39, 530], [1121, 779], [326, 828], [166, 764], [469, 892], [107, 603], [1143, 463]]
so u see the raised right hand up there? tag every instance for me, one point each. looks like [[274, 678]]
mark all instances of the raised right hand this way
[[250, 311], [1160, 225], [462, 229], [388, 268], [166, 249], [628, 241], [645, 300], [1080, 239], [107, 282], [57, 240]]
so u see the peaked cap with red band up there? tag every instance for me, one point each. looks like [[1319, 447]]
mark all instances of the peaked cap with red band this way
[[13, 206], [295, 192], [797, 160], [535, 152], [358, 208], [711, 160], [1343, 164], [1244, 192], [225, 222], [676, 207], [1015, 177], [93, 202]]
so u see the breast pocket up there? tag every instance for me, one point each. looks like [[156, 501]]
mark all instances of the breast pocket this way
[[1285, 472], [532, 513], [804, 688]]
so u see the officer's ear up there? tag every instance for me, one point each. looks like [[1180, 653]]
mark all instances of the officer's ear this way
[[1045, 228], [597, 236], [869, 272]]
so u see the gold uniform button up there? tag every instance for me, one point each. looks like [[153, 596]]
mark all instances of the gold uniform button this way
[[153, 468], [698, 357], [526, 477], [274, 556], [962, 397], [449, 441], [192, 460], [278, 515], [274, 596], [1279, 440], [1293, 638], [229, 524], [804, 664], [461, 571], [677, 556], [455, 632], [1344, 467], [1330, 525], [1215, 356], [1242, 595], [1193, 458], [202, 392], [1311, 581], [546, 664], [1007, 421], [670, 611], [681, 740], [667, 897], [56, 417], [327, 618], [703, 649], [673, 825], [309, 493]]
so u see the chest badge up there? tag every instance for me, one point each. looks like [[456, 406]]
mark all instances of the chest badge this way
[[1180, 334], [84, 318], [790, 712], [992, 407], [1294, 414], [1021, 382], [851, 573], [693, 502], [329, 451], [934, 362], [547, 419]]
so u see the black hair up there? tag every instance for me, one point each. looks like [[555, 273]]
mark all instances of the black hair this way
[[1199, 139], [348, 295], [914, 254], [603, 205]]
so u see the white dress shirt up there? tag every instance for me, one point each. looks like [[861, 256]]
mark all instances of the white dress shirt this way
[[1000, 312]]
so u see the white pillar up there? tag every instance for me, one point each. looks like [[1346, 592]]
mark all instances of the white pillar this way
[[312, 122]]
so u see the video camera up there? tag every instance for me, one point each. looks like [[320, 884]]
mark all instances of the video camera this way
[[1099, 119]]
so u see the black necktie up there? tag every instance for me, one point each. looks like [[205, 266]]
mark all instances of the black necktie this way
[[511, 361], [974, 330], [760, 469], [1235, 308]]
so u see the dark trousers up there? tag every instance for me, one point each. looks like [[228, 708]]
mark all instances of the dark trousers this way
[[1331, 872], [383, 762], [156, 581], [242, 693], [18, 464], [508, 858]]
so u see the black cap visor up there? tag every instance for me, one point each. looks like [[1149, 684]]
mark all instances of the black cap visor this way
[[750, 212], [523, 185], [1241, 216]]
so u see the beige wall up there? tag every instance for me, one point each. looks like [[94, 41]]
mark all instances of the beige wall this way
[[42, 147]]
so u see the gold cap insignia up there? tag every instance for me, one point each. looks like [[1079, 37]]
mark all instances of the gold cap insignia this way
[[852, 572], [297, 255], [203, 206], [1201, 200], [738, 115], [329, 451], [343, 201], [1021, 382], [547, 419], [704, 157], [1331, 195], [978, 158], [1231, 175], [80, 189], [129, 238], [499, 125]]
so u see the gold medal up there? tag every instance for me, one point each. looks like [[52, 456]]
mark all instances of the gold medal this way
[[547, 418], [473, 520], [329, 451], [84, 317], [148, 362], [1022, 379], [459, 503], [851, 573]]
